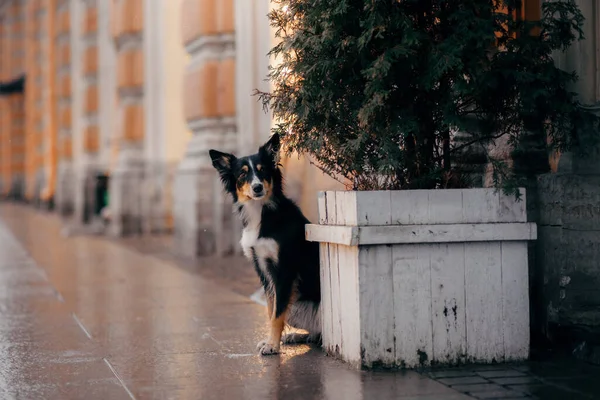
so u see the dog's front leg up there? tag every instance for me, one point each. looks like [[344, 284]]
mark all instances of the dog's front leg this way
[[272, 345], [278, 308]]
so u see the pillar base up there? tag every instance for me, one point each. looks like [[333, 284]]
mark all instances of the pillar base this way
[[125, 189], [65, 189], [17, 188], [157, 195], [204, 224]]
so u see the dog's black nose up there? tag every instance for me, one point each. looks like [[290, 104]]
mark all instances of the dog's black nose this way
[[258, 188]]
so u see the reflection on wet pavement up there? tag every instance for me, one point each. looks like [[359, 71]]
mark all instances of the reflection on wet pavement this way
[[87, 318]]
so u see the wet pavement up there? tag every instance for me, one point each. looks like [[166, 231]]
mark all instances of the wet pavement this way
[[90, 318]]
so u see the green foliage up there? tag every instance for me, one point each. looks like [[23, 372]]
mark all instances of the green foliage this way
[[373, 91]]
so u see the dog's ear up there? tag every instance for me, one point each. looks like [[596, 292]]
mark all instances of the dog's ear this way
[[222, 162], [271, 149]]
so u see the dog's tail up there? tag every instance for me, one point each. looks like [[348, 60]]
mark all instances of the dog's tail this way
[[305, 315]]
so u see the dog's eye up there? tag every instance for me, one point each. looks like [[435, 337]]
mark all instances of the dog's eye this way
[[242, 175]]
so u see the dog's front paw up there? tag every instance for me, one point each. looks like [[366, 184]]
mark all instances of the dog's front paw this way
[[261, 344], [266, 348]]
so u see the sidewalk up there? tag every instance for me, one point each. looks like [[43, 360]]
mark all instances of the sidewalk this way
[[88, 318]]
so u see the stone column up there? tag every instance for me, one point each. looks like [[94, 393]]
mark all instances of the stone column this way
[[89, 118], [125, 183], [18, 106], [569, 222], [32, 97], [65, 180], [107, 76], [202, 216], [17, 148], [49, 125], [5, 114], [11, 106], [166, 131], [40, 185]]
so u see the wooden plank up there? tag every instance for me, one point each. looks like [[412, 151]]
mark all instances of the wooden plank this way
[[325, 307], [483, 282], [336, 322], [346, 207], [330, 207], [450, 233], [414, 234], [349, 303], [322, 207], [515, 294], [346, 235], [373, 208], [481, 206], [341, 199], [412, 305], [376, 304], [448, 302], [408, 207], [336, 326], [445, 206]]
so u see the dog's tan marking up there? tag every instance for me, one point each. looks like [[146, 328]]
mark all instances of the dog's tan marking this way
[[269, 305], [268, 188], [244, 192], [258, 167], [272, 345]]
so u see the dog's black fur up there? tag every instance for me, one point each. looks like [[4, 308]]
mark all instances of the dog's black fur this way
[[274, 239]]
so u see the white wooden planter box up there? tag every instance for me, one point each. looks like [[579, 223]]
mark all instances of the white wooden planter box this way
[[415, 278]]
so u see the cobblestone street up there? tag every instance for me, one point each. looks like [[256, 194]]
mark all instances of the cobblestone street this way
[[88, 317]]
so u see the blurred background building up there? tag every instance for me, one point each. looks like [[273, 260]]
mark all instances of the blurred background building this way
[[113, 104]]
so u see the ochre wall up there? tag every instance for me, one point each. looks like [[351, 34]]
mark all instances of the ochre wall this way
[[175, 59]]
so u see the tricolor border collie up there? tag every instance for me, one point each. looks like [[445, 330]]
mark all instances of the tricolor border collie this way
[[273, 239]]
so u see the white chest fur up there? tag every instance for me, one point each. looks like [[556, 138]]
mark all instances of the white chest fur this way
[[264, 248]]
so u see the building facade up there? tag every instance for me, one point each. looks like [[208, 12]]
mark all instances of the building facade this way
[[129, 96]]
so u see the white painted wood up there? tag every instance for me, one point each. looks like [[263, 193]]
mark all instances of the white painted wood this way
[[376, 304], [445, 206], [481, 206], [412, 290], [346, 235], [368, 235], [336, 315], [373, 208], [344, 204], [407, 207], [349, 304], [450, 206], [412, 305], [483, 288], [515, 287], [397, 234], [330, 199], [448, 302], [322, 208], [325, 308]]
